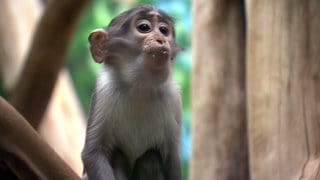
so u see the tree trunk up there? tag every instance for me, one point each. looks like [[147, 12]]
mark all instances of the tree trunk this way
[[283, 76], [219, 140]]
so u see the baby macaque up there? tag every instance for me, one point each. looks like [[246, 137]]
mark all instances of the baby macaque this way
[[133, 128]]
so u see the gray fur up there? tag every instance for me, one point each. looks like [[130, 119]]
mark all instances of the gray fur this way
[[134, 120], [138, 118]]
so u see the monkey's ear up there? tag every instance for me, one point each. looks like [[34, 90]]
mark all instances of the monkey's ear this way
[[97, 39]]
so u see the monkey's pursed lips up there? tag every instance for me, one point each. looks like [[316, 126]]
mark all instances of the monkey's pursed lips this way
[[157, 58], [160, 53]]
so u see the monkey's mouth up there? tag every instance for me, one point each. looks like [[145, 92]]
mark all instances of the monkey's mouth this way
[[161, 55], [158, 57], [158, 53]]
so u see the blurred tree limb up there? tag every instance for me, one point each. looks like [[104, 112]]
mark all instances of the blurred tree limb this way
[[32, 93], [18, 20], [25, 152], [46, 57]]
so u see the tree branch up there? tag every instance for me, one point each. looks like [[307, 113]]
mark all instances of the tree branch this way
[[45, 58], [25, 152]]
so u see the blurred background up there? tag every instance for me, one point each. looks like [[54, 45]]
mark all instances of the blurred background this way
[[63, 125], [254, 84]]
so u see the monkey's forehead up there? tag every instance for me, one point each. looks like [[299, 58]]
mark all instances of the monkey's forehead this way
[[143, 11], [155, 13], [148, 10]]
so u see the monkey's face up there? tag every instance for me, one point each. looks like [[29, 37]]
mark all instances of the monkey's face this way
[[140, 32], [138, 44], [155, 33]]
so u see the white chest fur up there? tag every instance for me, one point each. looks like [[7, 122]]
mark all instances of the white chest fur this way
[[141, 126], [140, 120]]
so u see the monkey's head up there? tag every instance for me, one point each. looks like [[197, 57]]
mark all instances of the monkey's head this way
[[138, 40]]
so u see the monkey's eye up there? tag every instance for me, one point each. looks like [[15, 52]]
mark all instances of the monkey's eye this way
[[164, 30], [144, 27]]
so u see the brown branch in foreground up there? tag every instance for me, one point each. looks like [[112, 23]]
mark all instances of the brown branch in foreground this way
[[45, 59], [25, 152]]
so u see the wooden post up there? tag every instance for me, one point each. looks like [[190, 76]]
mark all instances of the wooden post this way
[[283, 85], [219, 141]]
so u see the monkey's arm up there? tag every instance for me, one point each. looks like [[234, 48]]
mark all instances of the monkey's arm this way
[[96, 159], [173, 164], [95, 156], [97, 165]]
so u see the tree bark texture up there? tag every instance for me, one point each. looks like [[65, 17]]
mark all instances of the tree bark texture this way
[[219, 140], [45, 59], [283, 83]]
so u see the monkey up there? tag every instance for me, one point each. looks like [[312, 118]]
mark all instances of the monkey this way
[[133, 129]]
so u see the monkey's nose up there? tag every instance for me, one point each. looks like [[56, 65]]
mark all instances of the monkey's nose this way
[[160, 41]]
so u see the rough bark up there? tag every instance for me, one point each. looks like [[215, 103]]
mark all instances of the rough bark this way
[[219, 141], [283, 83], [45, 59], [25, 152]]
